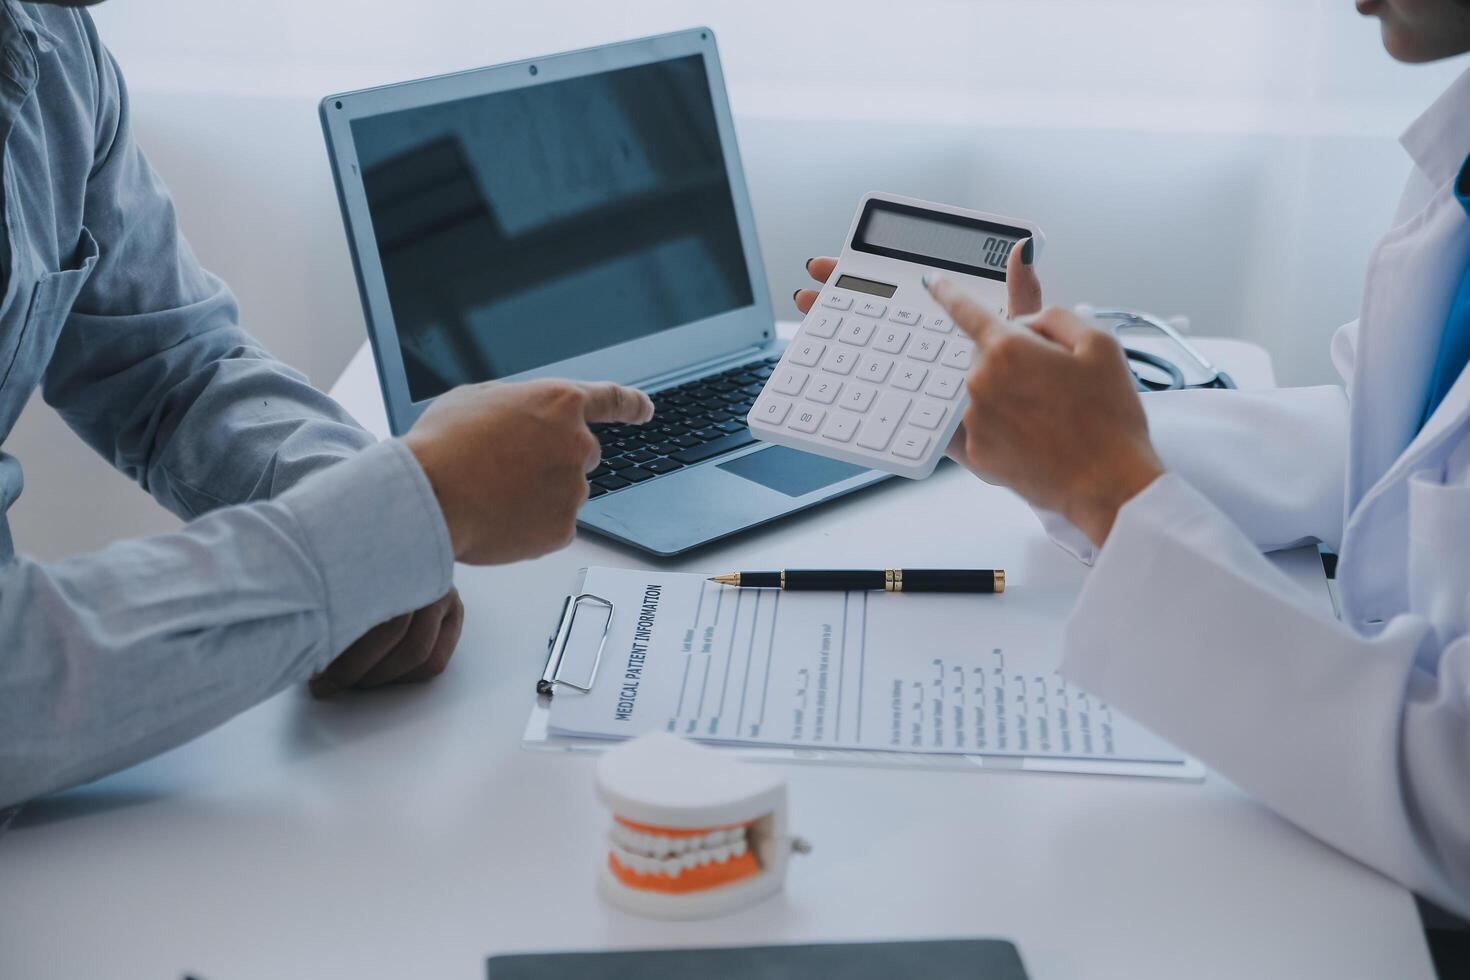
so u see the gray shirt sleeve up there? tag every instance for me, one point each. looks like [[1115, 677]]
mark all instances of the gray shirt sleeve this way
[[112, 657], [152, 368], [301, 539]]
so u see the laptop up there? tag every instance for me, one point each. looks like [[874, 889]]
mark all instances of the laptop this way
[[583, 216]]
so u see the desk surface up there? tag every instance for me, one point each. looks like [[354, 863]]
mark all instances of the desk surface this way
[[407, 833]]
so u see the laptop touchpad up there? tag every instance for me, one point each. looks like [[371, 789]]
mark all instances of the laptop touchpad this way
[[791, 471]]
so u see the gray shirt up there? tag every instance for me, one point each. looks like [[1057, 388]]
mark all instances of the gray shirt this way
[[301, 534]]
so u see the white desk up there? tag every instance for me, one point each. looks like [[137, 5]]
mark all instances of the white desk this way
[[406, 832]]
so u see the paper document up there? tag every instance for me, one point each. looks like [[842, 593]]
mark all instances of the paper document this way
[[960, 674]]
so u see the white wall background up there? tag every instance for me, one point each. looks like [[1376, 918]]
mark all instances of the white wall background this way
[[1229, 159]]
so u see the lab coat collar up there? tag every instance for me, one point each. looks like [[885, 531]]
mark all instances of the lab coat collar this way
[[1439, 140]]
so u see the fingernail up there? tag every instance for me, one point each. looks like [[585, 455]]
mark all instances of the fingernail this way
[[928, 280], [794, 294], [1028, 251], [809, 263]]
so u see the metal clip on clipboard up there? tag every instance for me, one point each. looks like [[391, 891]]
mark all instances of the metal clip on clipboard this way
[[557, 645]]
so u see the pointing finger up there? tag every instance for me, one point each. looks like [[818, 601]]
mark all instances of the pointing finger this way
[[975, 320], [609, 402], [1023, 287]]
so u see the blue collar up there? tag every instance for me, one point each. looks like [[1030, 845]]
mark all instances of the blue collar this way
[[1462, 186]]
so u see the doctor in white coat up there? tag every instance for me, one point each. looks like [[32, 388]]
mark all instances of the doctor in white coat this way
[[1357, 730]]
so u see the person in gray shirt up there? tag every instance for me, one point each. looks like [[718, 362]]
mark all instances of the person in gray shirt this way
[[308, 552]]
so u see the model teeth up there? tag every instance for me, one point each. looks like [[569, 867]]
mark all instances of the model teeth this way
[[661, 846], [649, 853], [672, 865]]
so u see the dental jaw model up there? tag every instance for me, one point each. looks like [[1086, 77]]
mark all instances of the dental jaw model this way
[[694, 832]]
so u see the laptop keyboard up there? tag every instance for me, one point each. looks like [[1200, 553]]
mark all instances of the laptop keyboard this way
[[692, 422]]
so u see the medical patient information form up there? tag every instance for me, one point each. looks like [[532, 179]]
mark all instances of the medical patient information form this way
[[892, 672]]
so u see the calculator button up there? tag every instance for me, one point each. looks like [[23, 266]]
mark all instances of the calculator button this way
[[841, 426], [840, 361], [939, 324], [824, 390], [926, 348], [822, 325], [958, 356], [837, 301], [857, 332], [928, 415], [858, 396], [891, 341], [808, 419], [771, 410], [807, 352], [869, 308], [909, 318], [911, 443], [789, 381], [876, 368], [910, 377], [945, 383], [878, 427]]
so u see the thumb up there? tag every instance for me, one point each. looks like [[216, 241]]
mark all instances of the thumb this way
[[609, 402], [1023, 286], [1062, 327]]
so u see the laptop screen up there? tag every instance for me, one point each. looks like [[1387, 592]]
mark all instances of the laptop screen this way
[[521, 228]]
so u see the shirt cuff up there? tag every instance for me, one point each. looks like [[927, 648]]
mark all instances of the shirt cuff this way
[[1066, 535], [375, 529]]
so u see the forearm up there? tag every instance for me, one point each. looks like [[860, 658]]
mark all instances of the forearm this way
[[208, 419], [114, 657]]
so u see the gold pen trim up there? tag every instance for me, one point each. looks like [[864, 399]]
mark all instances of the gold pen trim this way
[[783, 578], [732, 578], [1000, 580]]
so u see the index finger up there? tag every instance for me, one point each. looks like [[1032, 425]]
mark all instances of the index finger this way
[[610, 402], [981, 324]]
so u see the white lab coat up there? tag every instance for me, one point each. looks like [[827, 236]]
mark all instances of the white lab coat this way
[[1357, 730]]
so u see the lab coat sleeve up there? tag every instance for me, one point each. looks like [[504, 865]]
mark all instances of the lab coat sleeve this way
[[1273, 461], [1363, 742], [152, 368]]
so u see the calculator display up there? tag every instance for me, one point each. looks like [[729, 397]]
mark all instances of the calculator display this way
[[948, 241]]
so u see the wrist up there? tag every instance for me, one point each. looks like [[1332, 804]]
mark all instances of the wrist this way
[[1094, 506], [422, 450]]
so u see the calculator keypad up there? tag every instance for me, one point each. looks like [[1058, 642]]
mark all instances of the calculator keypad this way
[[879, 378]]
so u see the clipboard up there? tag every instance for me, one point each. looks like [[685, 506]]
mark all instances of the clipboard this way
[[587, 609], [556, 646]]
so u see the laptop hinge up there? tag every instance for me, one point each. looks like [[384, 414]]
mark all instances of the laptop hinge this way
[[703, 368]]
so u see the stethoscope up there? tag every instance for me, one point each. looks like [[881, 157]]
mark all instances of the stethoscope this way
[[1125, 319]]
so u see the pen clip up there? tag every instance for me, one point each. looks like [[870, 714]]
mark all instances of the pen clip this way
[[557, 645]]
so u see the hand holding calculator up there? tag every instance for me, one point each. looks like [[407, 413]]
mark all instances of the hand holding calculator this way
[[876, 374]]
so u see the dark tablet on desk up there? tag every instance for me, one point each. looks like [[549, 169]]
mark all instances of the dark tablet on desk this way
[[948, 959]]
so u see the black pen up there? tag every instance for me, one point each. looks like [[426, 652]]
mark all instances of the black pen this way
[[887, 580]]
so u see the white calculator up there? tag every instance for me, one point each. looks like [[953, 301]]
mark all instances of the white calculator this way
[[876, 374]]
